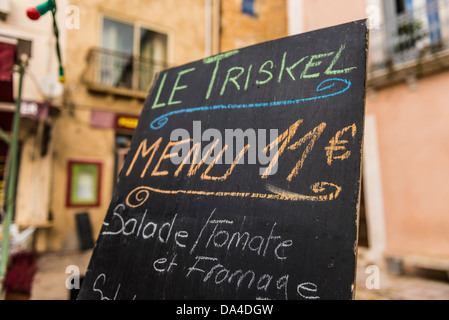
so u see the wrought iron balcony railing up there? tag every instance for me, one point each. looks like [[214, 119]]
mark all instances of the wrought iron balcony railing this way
[[410, 36], [111, 71]]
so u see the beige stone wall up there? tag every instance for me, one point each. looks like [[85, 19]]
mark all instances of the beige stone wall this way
[[182, 21], [240, 30], [413, 151], [73, 136]]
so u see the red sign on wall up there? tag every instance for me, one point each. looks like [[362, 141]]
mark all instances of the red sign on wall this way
[[109, 120]]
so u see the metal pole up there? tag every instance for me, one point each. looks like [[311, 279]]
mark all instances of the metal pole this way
[[5, 137], [12, 174]]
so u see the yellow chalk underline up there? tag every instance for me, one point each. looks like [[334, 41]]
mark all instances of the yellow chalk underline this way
[[278, 194]]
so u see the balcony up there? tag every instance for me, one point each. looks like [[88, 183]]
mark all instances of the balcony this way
[[120, 74], [410, 44]]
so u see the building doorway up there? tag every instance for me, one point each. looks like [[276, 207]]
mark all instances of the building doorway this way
[[122, 145]]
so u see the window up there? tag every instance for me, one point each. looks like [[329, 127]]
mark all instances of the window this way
[[5, 8], [248, 7], [433, 17], [403, 6], [153, 54], [130, 55], [413, 27], [117, 59]]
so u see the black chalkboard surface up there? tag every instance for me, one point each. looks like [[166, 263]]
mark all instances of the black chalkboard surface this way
[[243, 177]]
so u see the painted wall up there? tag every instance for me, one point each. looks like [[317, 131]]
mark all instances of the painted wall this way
[[414, 155], [325, 13], [406, 209]]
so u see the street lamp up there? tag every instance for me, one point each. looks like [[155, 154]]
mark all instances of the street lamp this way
[[35, 13], [40, 10]]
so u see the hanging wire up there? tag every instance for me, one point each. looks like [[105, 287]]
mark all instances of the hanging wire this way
[[61, 77]]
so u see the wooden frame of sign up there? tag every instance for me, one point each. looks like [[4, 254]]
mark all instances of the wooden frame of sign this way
[[243, 177]]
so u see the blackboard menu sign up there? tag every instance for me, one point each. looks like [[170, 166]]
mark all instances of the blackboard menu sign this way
[[243, 177]]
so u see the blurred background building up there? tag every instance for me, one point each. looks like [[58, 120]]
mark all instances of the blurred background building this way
[[404, 218], [73, 138], [41, 102]]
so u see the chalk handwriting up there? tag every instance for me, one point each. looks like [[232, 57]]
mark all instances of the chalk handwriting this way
[[217, 234], [337, 149], [238, 77], [213, 271], [321, 89], [141, 228], [101, 281], [140, 195], [335, 144]]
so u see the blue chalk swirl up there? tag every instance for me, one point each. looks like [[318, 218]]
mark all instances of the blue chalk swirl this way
[[323, 86]]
